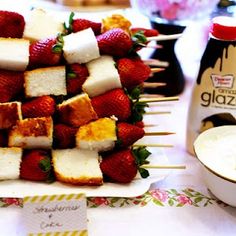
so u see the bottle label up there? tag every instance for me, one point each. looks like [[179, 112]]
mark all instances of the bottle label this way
[[213, 100]]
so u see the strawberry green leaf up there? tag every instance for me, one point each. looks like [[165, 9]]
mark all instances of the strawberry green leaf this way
[[71, 75], [68, 27], [143, 172], [141, 154], [45, 165]]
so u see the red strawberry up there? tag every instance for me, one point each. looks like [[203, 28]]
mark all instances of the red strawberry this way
[[3, 138], [35, 165], [76, 76], [81, 24], [140, 124], [133, 72], [11, 84], [64, 136], [45, 52], [122, 166], [115, 42], [114, 102], [12, 24], [128, 134], [146, 32], [38, 107]]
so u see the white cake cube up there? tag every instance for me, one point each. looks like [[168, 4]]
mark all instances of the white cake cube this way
[[32, 133], [40, 25], [14, 54], [103, 76], [75, 166], [10, 159], [45, 81], [80, 47]]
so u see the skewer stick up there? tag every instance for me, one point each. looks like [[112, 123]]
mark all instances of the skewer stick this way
[[157, 112], [156, 62], [150, 125], [157, 133], [161, 99], [151, 46], [162, 37], [153, 85], [163, 167], [153, 145], [156, 70]]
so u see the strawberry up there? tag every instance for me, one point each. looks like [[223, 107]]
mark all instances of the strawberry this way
[[115, 42], [3, 138], [146, 32], [128, 134], [132, 71], [140, 124], [11, 84], [38, 107], [12, 24], [64, 136], [35, 165], [114, 102], [122, 165], [45, 52], [81, 24], [78, 24], [76, 76]]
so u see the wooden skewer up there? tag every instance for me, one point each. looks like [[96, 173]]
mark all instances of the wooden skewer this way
[[161, 99], [158, 133], [145, 95], [150, 125], [162, 37], [153, 85], [156, 70], [153, 145], [156, 62], [163, 167], [151, 46], [157, 112]]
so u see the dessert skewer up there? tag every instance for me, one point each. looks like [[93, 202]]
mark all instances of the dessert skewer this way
[[67, 119]]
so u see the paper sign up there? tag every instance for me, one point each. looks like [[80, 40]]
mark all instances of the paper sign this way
[[55, 215]]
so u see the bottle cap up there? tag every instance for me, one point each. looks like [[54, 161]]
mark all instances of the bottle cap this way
[[224, 27]]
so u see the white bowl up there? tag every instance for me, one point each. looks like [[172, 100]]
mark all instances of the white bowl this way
[[215, 148]]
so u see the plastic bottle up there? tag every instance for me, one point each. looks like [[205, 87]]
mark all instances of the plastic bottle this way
[[213, 101]]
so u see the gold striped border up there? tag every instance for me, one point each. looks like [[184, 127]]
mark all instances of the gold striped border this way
[[51, 198], [66, 233]]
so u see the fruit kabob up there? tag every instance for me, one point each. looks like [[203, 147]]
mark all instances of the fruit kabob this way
[[30, 97]]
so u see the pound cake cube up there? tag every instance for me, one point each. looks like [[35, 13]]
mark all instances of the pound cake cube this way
[[103, 76], [14, 54], [45, 81], [10, 113], [80, 47], [10, 159], [77, 111], [32, 133], [41, 24], [75, 166], [99, 135]]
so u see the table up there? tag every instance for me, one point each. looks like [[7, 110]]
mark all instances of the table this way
[[178, 205]]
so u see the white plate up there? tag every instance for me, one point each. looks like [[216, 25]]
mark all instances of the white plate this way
[[22, 188]]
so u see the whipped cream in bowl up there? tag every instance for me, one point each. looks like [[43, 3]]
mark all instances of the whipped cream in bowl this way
[[215, 148]]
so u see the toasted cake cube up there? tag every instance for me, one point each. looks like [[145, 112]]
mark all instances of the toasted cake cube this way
[[10, 159], [99, 135], [41, 24], [75, 166], [77, 111], [45, 81], [80, 47], [14, 54], [10, 113], [32, 133], [103, 76]]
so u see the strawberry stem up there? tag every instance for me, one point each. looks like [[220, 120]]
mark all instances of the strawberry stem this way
[[141, 154], [138, 107], [68, 27]]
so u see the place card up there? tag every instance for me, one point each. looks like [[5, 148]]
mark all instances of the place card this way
[[55, 215]]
